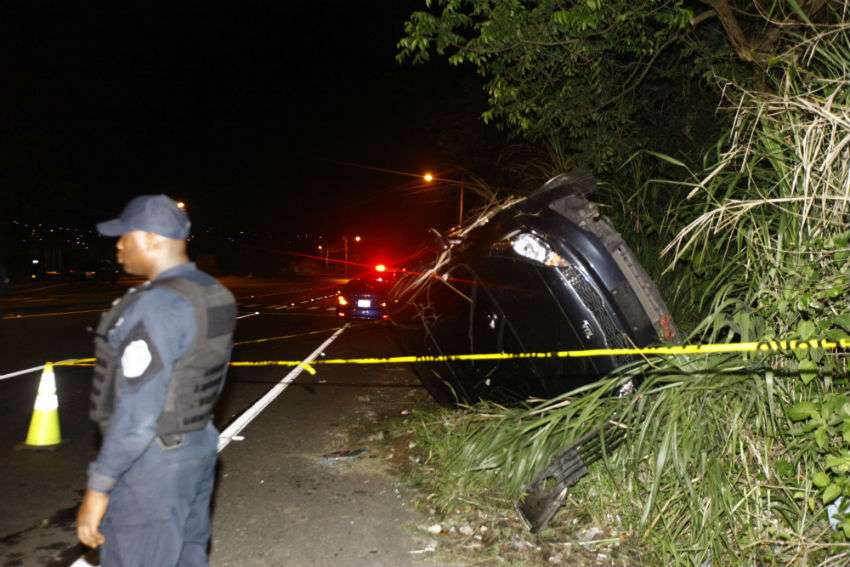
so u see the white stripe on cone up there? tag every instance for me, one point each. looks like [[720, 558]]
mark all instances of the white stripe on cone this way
[[46, 400]]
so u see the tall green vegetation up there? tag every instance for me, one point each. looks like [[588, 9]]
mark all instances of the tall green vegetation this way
[[768, 240], [766, 227], [730, 459]]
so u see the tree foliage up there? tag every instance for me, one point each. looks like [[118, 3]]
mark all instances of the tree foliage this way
[[594, 73]]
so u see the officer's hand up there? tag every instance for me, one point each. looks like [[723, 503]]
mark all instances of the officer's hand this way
[[89, 516]]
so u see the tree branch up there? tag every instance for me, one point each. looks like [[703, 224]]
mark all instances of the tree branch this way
[[757, 48], [697, 20], [638, 81], [733, 30]]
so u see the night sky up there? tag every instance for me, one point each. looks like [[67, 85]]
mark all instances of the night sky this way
[[245, 110]]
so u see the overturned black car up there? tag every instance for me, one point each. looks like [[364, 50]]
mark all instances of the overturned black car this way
[[540, 274]]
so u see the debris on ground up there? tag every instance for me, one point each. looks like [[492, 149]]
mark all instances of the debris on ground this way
[[344, 455], [590, 534], [379, 436], [429, 548]]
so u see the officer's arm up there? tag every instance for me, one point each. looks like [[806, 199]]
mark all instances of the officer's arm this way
[[158, 329]]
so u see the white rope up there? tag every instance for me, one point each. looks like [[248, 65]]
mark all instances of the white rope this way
[[33, 369], [248, 416]]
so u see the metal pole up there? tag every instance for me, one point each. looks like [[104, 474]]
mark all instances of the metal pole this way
[[460, 211], [345, 243]]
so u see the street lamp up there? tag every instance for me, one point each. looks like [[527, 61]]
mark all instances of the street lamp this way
[[428, 177], [327, 252], [345, 247]]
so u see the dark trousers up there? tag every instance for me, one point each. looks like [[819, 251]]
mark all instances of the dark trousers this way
[[159, 511]]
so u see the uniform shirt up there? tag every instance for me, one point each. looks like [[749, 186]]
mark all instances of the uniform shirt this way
[[149, 338]]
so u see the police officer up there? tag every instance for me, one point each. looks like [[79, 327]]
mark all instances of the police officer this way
[[162, 355]]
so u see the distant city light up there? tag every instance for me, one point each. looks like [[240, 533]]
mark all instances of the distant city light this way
[[357, 239], [35, 261], [181, 205], [428, 177]]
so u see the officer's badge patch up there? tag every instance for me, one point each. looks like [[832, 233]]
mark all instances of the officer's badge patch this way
[[140, 360], [136, 359]]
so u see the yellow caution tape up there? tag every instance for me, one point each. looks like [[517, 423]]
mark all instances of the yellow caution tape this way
[[76, 362], [758, 346], [685, 350]]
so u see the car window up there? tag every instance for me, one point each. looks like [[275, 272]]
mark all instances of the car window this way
[[365, 286]]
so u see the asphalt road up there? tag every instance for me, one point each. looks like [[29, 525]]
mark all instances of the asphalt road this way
[[280, 500]]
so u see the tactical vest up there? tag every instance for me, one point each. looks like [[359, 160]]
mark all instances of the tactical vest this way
[[197, 378]]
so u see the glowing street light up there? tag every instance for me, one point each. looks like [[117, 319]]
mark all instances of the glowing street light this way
[[357, 239], [181, 205], [429, 178]]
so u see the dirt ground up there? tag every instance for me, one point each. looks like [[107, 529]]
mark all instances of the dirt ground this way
[[479, 537]]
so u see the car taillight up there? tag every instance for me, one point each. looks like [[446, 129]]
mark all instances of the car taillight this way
[[342, 300]]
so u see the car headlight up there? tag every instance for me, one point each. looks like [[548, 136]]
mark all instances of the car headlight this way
[[531, 246]]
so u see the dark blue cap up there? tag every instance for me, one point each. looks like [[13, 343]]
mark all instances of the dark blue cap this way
[[151, 213]]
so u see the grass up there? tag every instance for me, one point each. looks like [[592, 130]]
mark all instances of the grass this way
[[706, 474]]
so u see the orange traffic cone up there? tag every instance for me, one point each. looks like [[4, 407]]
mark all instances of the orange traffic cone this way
[[44, 425]]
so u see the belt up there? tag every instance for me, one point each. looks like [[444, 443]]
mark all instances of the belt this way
[[171, 440]]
